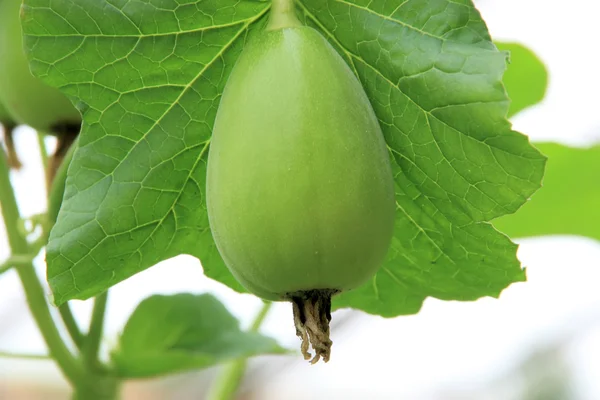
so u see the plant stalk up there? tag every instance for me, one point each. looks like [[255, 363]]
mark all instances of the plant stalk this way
[[71, 324], [91, 344], [34, 292], [99, 383], [7, 354], [97, 387], [283, 15], [228, 383], [43, 152], [15, 260]]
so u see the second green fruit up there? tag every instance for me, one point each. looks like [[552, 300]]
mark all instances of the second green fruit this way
[[27, 99]]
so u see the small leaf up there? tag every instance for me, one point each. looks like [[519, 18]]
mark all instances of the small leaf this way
[[167, 334], [526, 78], [568, 202]]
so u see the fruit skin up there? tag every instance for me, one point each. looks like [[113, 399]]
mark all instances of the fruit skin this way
[[28, 100], [300, 191]]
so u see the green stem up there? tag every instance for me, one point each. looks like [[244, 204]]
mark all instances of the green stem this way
[[6, 267], [34, 291], [97, 387], [228, 383], [260, 317], [7, 354], [283, 15], [43, 151], [66, 315], [100, 383], [16, 260], [93, 339]]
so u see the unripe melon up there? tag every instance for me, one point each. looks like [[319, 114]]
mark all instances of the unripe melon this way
[[28, 100], [300, 191]]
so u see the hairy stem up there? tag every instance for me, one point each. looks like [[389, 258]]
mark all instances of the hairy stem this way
[[228, 383], [34, 292]]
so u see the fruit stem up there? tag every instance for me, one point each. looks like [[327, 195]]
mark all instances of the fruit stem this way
[[283, 15]]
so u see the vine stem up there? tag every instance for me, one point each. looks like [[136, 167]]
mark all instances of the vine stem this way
[[34, 292], [100, 382], [7, 354], [94, 337], [43, 152], [16, 260], [228, 383], [97, 383], [70, 323]]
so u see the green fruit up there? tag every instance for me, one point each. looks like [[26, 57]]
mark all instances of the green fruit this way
[[28, 100], [300, 190]]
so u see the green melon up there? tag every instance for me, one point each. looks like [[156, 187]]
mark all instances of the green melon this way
[[28, 100], [300, 190]]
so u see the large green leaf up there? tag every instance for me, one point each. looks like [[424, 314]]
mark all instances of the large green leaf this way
[[568, 202], [526, 78], [148, 77], [167, 334]]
